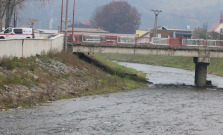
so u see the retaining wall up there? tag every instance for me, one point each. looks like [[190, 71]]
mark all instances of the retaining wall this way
[[30, 47]]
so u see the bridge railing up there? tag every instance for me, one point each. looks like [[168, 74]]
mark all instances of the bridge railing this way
[[214, 43], [109, 39], [143, 41], [126, 39], [176, 42], [75, 38], [160, 41], [194, 42], [91, 38], [219, 43]]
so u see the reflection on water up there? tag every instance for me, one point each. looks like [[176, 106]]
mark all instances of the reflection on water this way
[[166, 108], [165, 75]]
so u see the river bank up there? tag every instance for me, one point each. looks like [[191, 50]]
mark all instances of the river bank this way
[[31, 81], [215, 67], [167, 107]]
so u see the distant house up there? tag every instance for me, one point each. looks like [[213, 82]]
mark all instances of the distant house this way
[[163, 32], [142, 33], [218, 26]]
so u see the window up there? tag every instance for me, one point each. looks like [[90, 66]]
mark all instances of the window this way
[[8, 30], [18, 31]]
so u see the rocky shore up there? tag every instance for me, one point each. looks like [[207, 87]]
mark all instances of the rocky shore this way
[[32, 81]]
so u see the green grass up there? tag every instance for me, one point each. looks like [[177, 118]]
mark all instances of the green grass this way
[[113, 83], [215, 67], [120, 70]]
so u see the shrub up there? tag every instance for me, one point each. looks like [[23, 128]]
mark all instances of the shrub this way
[[7, 63]]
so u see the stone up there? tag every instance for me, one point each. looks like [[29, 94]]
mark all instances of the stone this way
[[6, 87], [72, 93], [209, 83]]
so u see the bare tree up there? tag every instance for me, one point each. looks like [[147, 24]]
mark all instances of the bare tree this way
[[2, 12], [10, 6], [7, 8]]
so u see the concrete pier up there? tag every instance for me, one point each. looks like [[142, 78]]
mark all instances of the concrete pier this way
[[200, 73]]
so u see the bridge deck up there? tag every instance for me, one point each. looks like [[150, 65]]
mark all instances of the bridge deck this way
[[168, 50]]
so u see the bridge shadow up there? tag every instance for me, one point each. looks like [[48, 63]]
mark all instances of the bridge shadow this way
[[183, 86]]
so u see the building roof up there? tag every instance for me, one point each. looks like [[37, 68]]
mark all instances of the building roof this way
[[91, 31], [219, 28], [141, 33], [214, 27], [87, 30], [87, 23]]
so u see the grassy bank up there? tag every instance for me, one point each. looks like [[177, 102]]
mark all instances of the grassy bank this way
[[215, 67], [30, 81], [118, 70]]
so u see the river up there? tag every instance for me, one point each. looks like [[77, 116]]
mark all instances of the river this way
[[171, 106]]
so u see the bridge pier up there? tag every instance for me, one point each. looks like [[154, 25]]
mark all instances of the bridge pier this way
[[200, 73]]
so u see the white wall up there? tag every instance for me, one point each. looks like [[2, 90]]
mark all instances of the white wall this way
[[30, 47]]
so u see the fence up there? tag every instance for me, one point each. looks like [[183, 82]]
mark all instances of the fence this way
[[143, 41], [126, 40], [91, 38], [109, 39]]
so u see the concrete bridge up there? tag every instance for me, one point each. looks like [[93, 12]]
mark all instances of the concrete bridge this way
[[200, 54]]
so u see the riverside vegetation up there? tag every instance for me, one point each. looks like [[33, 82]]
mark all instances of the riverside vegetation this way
[[25, 82], [215, 67]]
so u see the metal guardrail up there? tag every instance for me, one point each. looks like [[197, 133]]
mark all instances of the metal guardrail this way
[[144, 40]]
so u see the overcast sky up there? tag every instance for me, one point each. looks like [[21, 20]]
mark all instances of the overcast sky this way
[[176, 13]]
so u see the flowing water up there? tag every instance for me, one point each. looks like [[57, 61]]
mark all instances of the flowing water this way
[[171, 106]]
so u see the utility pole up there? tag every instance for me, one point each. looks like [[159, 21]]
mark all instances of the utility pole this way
[[73, 19], [206, 30], [65, 38], [61, 23], [156, 12]]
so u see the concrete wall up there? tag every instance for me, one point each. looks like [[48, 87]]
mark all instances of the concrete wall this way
[[30, 47]]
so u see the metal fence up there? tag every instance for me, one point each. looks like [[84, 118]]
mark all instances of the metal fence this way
[[143, 41], [110, 39]]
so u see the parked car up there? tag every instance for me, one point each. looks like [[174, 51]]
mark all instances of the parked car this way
[[17, 33]]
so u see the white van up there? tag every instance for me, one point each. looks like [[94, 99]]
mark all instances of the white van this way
[[17, 33]]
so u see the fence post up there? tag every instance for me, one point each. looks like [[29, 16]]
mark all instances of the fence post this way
[[100, 39], [135, 40]]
